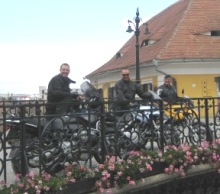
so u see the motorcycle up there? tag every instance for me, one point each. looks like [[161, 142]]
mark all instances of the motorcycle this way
[[50, 145], [184, 116], [142, 124], [169, 125], [79, 136]]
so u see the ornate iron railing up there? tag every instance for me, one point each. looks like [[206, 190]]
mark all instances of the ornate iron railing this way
[[97, 131]]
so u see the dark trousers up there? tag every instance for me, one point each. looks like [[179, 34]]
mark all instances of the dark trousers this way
[[62, 107]]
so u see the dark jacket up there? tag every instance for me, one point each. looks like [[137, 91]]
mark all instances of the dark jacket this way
[[126, 91], [168, 93], [58, 88], [58, 92]]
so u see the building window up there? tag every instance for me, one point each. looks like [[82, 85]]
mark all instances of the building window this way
[[111, 93], [147, 42], [217, 80], [218, 85], [147, 87], [118, 55], [215, 33]]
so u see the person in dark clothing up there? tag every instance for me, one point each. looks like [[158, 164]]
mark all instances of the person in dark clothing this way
[[166, 91], [127, 89], [59, 92]]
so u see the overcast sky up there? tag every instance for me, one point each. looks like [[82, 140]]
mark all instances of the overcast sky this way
[[37, 36]]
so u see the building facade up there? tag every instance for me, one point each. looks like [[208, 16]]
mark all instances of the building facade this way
[[184, 41]]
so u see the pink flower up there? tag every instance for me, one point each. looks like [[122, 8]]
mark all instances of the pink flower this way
[[166, 170], [183, 174], [217, 141], [17, 177], [98, 183], [112, 167], [196, 157], [81, 168], [176, 170], [101, 189], [46, 188], [171, 167], [69, 173], [73, 180], [149, 167], [101, 166], [109, 191], [119, 173], [131, 182]]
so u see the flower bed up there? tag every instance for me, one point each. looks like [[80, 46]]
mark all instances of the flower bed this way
[[116, 173]]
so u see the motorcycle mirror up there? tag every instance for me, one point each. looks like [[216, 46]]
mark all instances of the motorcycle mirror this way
[[159, 91], [156, 96]]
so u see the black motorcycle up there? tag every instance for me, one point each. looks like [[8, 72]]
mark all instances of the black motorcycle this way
[[50, 145]]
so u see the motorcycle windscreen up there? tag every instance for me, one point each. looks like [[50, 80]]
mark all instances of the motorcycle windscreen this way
[[89, 90]]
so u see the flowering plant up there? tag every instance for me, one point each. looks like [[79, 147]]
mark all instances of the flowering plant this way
[[35, 183], [74, 172], [115, 172], [215, 154]]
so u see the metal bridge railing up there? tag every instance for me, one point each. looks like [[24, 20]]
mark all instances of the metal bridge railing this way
[[30, 139]]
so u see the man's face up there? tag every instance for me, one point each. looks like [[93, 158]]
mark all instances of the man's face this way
[[168, 81], [125, 75], [64, 70]]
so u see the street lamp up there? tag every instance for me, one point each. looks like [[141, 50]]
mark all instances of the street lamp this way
[[137, 33]]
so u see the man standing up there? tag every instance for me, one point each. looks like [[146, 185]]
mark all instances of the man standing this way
[[59, 92], [127, 89], [166, 91]]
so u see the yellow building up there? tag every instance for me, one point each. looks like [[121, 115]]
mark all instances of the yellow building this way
[[184, 41]]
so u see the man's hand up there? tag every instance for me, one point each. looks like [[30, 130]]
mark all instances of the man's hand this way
[[165, 104], [80, 98], [74, 95]]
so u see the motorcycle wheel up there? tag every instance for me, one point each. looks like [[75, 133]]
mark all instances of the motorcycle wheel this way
[[168, 140], [191, 116], [16, 162], [31, 157], [172, 132], [198, 133], [31, 161], [112, 147]]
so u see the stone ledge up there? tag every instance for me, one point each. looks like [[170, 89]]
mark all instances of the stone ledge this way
[[159, 179]]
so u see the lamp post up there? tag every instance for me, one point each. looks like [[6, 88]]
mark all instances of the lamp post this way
[[137, 33]]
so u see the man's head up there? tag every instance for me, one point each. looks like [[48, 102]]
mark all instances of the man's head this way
[[64, 70], [167, 79], [125, 74]]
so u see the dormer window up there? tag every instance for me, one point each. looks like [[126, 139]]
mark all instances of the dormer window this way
[[118, 55], [215, 33], [147, 42], [211, 33]]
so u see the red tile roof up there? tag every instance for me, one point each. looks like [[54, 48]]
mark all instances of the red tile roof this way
[[179, 34]]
